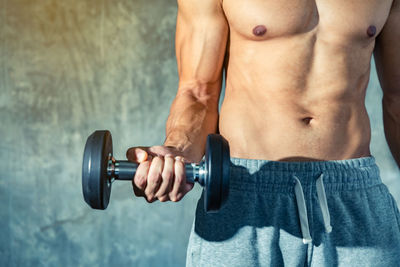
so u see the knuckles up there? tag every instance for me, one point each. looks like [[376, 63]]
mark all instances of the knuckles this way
[[166, 175], [140, 181], [175, 197], [179, 197], [163, 198], [150, 198]]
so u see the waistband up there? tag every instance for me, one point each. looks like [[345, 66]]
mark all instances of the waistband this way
[[278, 176]]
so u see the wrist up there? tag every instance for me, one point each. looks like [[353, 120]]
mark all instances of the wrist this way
[[178, 140]]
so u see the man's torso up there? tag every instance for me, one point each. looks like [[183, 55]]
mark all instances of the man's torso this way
[[297, 73]]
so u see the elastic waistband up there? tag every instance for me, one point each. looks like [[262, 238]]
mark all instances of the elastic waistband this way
[[339, 175]]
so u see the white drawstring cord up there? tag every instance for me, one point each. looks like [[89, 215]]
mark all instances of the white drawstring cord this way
[[302, 209], [323, 203], [301, 206]]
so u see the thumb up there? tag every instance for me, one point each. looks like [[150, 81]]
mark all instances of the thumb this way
[[137, 154]]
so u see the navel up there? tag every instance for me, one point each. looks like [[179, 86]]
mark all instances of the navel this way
[[371, 31], [307, 120], [259, 30]]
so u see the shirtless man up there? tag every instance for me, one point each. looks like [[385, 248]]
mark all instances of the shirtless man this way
[[305, 189]]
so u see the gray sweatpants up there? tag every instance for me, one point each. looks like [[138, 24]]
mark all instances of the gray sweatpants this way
[[325, 213]]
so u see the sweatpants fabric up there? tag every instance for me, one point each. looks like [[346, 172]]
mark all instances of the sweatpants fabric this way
[[270, 203]]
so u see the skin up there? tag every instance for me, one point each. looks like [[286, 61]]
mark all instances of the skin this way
[[296, 79]]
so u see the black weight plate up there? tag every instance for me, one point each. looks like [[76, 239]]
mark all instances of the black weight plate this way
[[217, 164], [226, 168], [96, 186]]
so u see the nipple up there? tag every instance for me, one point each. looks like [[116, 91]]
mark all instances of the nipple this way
[[259, 30], [371, 31]]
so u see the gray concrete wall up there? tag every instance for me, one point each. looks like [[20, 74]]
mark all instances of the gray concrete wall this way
[[66, 69]]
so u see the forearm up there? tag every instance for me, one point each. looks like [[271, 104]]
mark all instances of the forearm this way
[[190, 120], [391, 122]]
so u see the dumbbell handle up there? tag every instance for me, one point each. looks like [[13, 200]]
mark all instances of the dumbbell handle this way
[[125, 170]]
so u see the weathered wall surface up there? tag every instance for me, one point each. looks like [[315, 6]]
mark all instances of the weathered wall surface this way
[[66, 69]]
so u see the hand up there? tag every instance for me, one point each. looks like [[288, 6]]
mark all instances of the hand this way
[[160, 174]]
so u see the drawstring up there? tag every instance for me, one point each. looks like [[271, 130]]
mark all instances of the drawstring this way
[[323, 204], [302, 209], [301, 206]]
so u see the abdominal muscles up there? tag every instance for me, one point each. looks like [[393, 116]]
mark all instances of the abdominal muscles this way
[[336, 131]]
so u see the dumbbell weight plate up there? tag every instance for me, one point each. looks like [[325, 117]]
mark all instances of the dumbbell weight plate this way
[[217, 164], [97, 187], [95, 184]]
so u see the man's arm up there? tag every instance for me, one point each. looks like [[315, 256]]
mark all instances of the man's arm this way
[[201, 36], [387, 59]]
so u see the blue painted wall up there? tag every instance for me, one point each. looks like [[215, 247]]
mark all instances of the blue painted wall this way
[[66, 69]]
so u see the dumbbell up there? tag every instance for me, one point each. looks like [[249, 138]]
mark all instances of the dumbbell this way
[[100, 170]]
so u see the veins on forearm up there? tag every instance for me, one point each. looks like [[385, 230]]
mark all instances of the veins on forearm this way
[[187, 121]]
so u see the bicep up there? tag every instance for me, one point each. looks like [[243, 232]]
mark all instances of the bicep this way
[[387, 53], [201, 36]]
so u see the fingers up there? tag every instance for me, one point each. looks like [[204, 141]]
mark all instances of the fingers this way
[[154, 178], [139, 182], [137, 154], [167, 178], [159, 177], [180, 180]]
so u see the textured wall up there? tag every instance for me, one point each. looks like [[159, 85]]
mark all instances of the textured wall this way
[[66, 69]]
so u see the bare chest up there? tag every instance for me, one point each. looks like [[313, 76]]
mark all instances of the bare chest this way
[[266, 19]]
